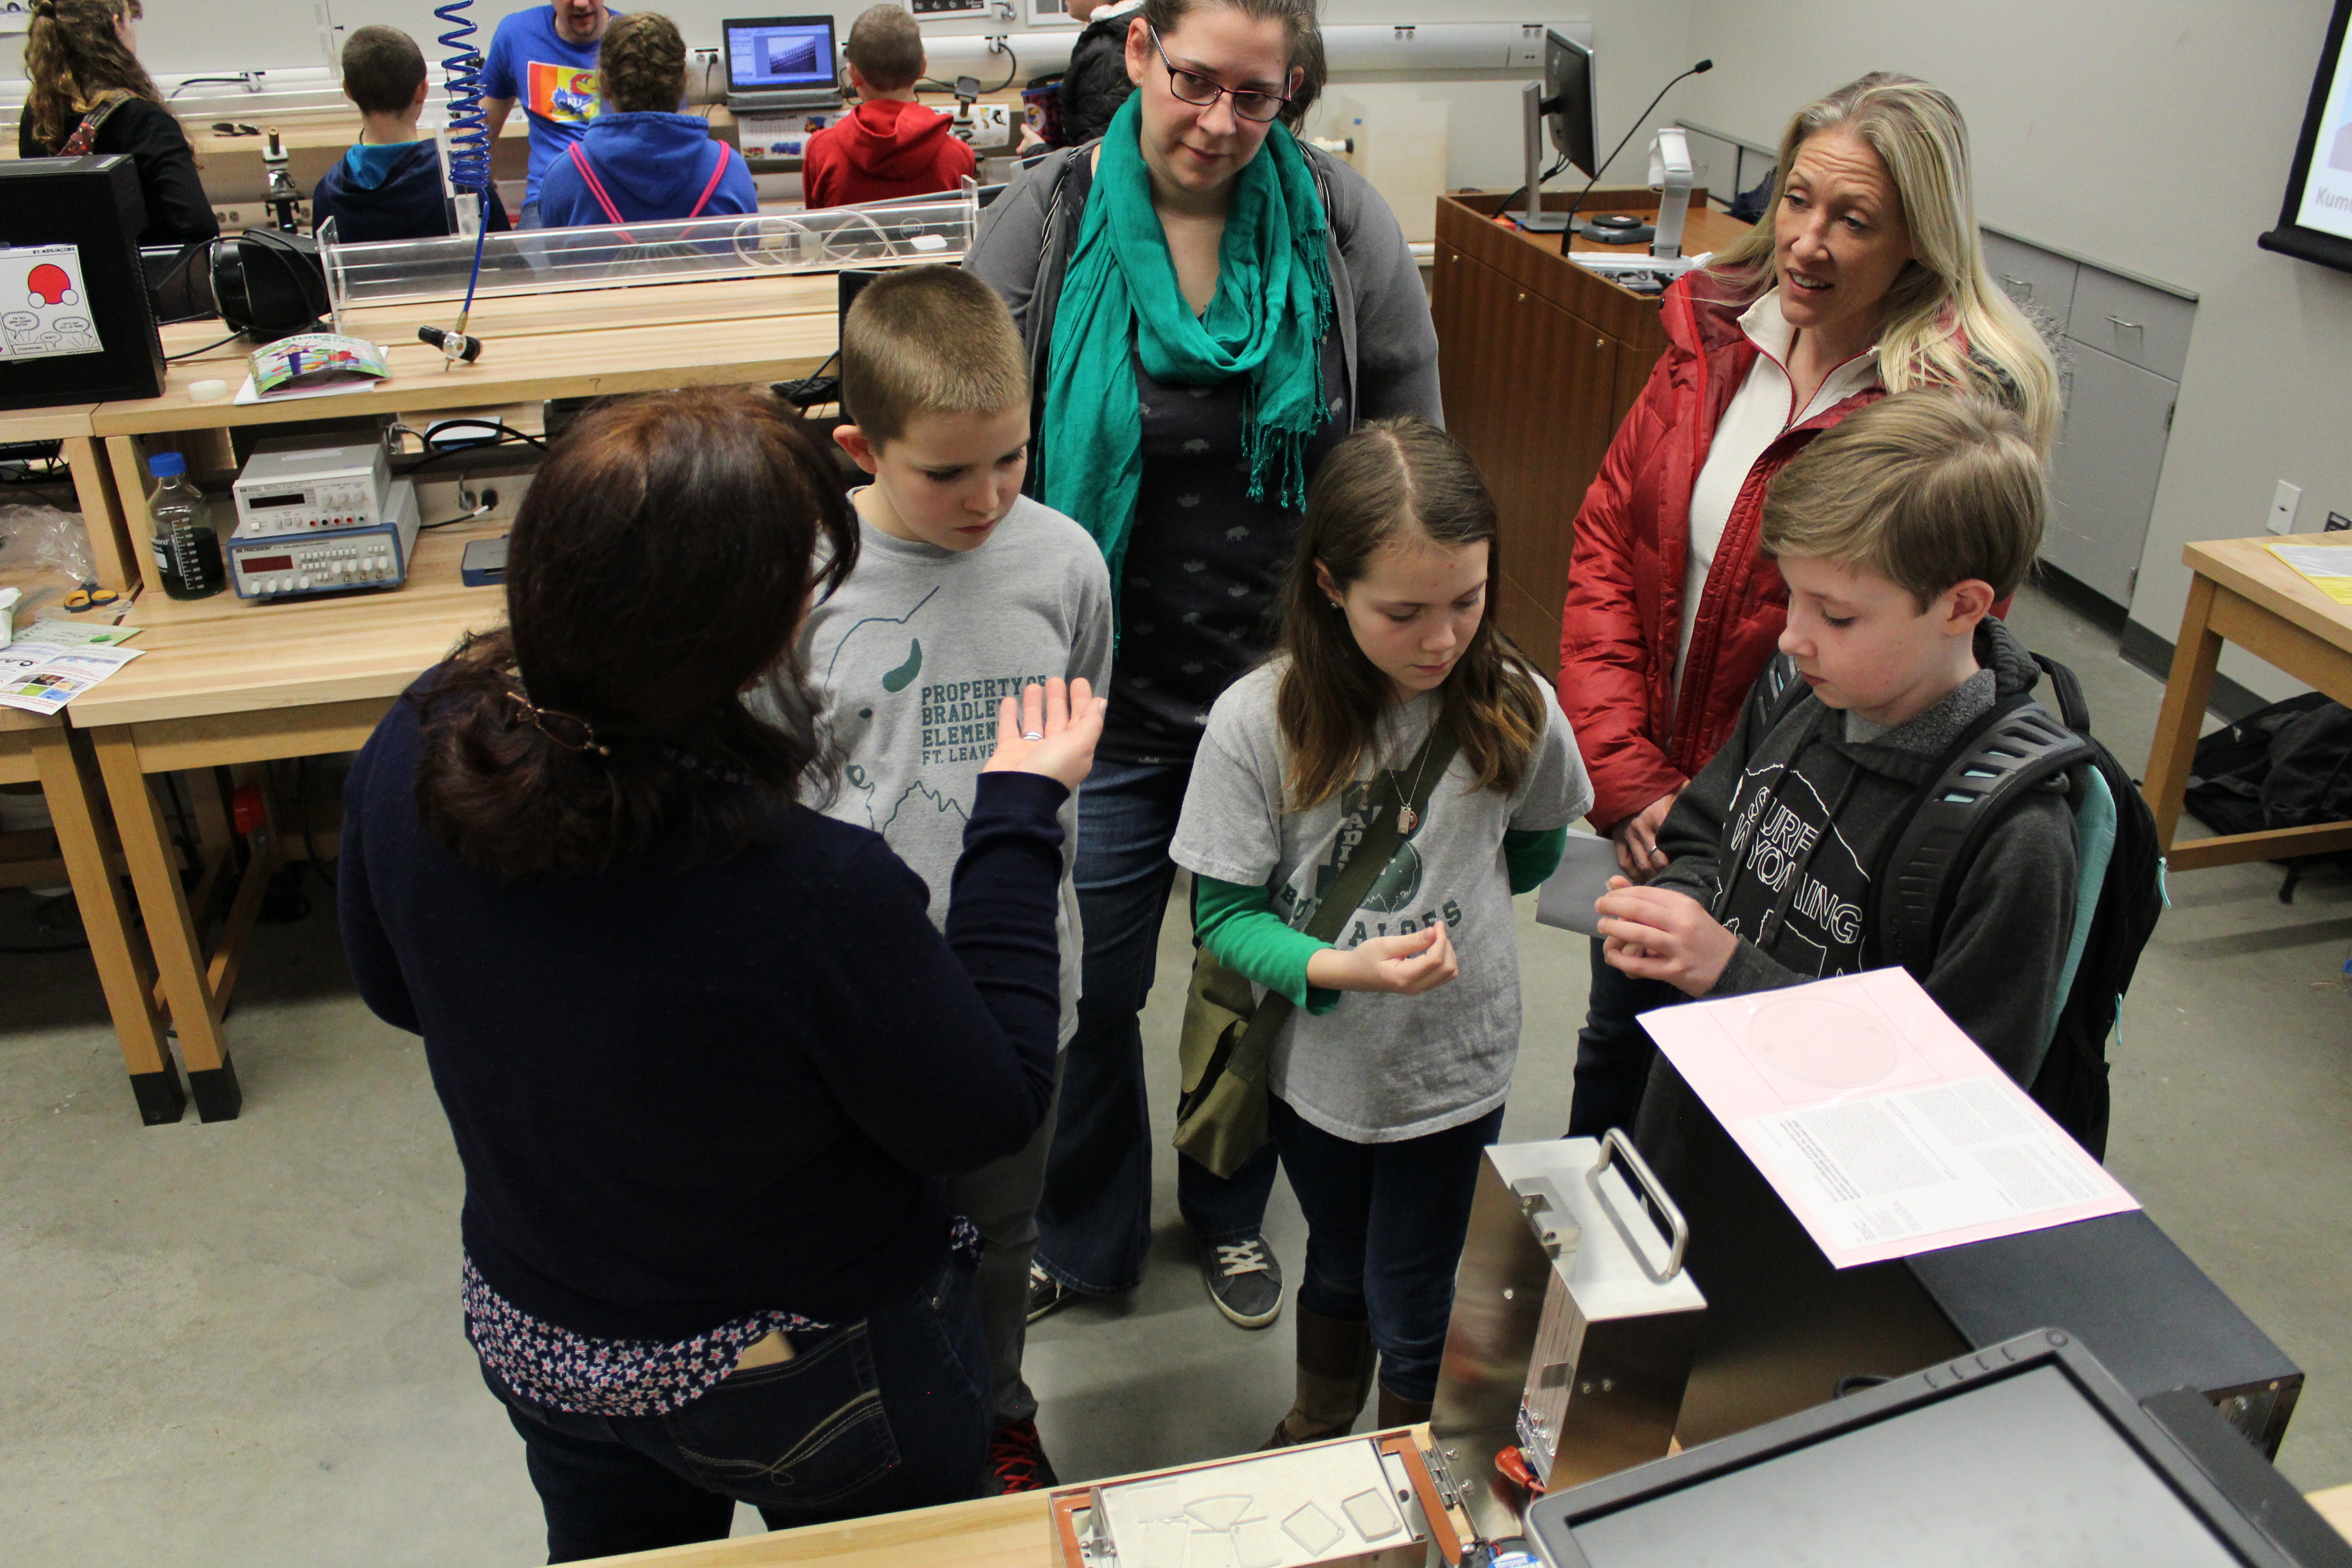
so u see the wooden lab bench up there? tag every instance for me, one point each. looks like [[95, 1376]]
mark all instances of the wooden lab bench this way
[[229, 682]]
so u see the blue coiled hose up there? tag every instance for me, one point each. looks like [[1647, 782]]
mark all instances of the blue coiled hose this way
[[469, 129]]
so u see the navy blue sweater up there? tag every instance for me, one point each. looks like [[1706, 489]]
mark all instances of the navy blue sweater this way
[[681, 1096], [407, 205]]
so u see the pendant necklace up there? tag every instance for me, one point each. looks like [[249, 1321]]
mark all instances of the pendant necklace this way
[[1407, 818]]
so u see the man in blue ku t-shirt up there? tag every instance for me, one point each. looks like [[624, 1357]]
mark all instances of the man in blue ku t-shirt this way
[[546, 56]]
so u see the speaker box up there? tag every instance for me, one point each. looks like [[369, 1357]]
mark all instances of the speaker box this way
[[75, 323]]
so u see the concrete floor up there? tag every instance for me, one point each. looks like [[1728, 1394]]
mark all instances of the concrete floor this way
[[241, 1342]]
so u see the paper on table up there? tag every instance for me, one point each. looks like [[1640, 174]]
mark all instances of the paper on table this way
[[2327, 567], [42, 670], [1882, 1126]]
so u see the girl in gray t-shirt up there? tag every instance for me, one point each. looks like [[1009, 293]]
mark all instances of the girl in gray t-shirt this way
[[1390, 1078]]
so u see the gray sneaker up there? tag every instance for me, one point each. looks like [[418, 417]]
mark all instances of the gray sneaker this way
[[1243, 1281]]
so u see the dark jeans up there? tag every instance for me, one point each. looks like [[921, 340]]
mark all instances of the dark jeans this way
[[1093, 1224], [1384, 1229], [1613, 1052], [884, 1414]]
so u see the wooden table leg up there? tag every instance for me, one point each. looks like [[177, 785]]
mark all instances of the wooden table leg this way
[[170, 933], [69, 784], [2186, 693], [114, 553]]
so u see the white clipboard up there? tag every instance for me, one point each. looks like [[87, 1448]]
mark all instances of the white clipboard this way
[[1585, 866]]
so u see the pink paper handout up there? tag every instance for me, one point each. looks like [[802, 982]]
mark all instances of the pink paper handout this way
[[1882, 1126]]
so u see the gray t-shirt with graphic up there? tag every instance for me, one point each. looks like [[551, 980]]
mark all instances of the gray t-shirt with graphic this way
[[911, 657], [1380, 1069]]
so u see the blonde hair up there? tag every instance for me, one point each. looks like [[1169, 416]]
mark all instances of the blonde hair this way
[[1925, 489], [1918, 133], [929, 340]]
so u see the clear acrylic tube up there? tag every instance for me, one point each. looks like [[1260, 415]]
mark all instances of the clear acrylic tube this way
[[750, 245]]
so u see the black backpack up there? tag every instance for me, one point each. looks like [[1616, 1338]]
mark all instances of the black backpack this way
[[2286, 766], [2008, 753]]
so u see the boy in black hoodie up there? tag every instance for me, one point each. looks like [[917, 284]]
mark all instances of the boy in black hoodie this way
[[1896, 534], [388, 186]]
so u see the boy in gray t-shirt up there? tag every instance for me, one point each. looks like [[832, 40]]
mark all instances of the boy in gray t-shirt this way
[[965, 590]]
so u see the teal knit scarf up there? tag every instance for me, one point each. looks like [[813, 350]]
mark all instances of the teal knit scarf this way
[[1272, 307]]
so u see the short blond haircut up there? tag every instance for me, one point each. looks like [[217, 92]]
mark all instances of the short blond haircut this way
[[1927, 489], [886, 45], [929, 340]]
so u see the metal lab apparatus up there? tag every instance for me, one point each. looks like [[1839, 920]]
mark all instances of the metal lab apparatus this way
[[1574, 1325]]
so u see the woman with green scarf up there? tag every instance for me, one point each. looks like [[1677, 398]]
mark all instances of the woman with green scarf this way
[[1209, 305]]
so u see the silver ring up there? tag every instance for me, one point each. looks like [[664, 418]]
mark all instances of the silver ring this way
[[1033, 734]]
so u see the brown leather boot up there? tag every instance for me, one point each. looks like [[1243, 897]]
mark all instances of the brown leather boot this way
[[1397, 1412], [1335, 1374]]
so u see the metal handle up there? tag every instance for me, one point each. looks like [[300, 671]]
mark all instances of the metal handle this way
[[1677, 1228], [2128, 326], [2019, 282]]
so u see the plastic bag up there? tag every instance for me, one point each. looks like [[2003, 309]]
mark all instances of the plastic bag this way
[[46, 539]]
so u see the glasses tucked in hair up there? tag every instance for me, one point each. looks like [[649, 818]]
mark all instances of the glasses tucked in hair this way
[[1202, 93]]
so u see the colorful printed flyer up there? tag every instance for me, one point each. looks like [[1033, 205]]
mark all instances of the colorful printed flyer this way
[[1882, 1126], [51, 663], [310, 360], [44, 310]]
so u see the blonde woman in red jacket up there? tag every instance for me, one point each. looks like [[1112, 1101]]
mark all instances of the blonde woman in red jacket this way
[[1866, 277]]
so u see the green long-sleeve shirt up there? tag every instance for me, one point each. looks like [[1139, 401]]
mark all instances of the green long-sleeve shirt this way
[[1237, 923]]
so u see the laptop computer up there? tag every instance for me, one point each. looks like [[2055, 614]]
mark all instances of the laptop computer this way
[[776, 63]]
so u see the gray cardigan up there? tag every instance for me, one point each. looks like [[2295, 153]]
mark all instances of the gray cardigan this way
[[1386, 336]]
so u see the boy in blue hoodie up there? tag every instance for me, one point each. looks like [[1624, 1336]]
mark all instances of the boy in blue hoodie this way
[[640, 161], [388, 185]]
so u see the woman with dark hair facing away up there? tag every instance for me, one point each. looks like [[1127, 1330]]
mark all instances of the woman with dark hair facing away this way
[[1394, 702], [87, 92], [1209, 305], [702, 1050], [641, 161], [1864, 278]]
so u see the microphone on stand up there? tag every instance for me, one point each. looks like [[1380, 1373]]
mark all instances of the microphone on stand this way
[[1568, 234]]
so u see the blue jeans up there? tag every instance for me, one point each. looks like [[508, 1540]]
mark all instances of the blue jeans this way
[[1384, 1229], [529, 216], [887, 1413], [1613, 1052], [1093, 1224]]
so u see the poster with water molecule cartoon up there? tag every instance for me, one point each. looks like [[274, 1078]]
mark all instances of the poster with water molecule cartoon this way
[[44, 308]]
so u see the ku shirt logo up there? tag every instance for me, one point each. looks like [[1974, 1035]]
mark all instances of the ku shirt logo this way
[[565, 94]]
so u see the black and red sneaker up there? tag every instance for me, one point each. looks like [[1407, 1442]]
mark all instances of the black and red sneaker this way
[[1016, 1458]]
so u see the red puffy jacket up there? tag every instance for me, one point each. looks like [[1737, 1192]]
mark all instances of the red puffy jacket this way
[[1623, 615]]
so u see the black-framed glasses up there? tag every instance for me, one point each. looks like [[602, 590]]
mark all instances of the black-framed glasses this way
[[1202, 92]]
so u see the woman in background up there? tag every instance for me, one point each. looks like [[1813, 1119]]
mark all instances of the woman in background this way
[[87, 93]]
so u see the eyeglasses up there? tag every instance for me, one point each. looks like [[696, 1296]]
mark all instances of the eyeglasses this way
[[1202, 92]]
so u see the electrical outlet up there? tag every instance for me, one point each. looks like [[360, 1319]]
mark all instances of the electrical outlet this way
[[2283, 503], [2337, 523]]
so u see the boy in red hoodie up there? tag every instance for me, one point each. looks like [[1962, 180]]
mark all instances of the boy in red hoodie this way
[[889, 145]]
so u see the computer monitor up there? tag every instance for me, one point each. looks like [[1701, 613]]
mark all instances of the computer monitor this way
[[780, 54], [2028, 1452], [1568, 89]]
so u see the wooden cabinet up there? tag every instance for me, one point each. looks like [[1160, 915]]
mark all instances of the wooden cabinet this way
[[1539, 360]]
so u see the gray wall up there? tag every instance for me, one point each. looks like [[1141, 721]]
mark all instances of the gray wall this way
[[2154, 135], [1640, 44]]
